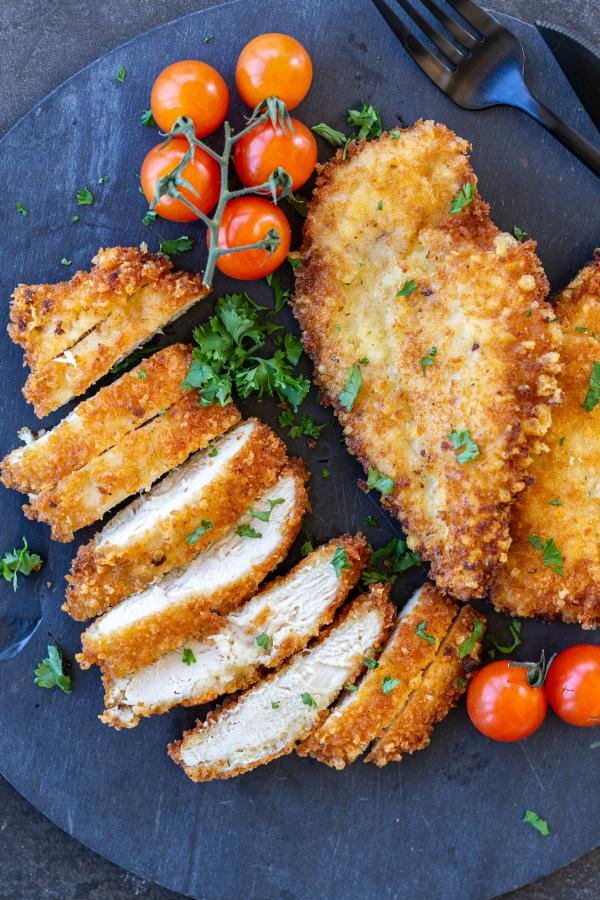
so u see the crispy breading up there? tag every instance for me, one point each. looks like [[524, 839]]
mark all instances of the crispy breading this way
[[137, 297], [271, 718], [361, 716], [390, 281], [187, 602], [138, 460], [100, 422], [277, 622], [229, 475], [563, 502], [438, 691]]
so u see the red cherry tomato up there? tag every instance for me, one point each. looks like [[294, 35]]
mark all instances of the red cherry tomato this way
[[573, 685], [202, 172], [273, 65], [190, 88], [502, 705], [247, 220], [265, 148]]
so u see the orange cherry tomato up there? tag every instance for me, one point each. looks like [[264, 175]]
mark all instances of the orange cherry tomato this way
[[273, 65], [502, 705], [263, 149], [202, 172], [190, 88], [247, 220], [573, 685]]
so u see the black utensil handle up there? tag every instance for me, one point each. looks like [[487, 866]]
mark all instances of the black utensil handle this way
[[571, 139]]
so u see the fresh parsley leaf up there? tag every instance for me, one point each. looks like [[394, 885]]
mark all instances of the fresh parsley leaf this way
[[352, 689], [282, 295], [421, 631], [188, 656], [84, 197], [541, 825], [142, 374], [409, 288], [514, 629], [551, 555], [179, 245], [339, 561], [561, 441], [294, 261], [428, 360], [367, 120], [75, 218], [265, 514], [592, 398], [247, 530], [65, 262], [370, 663], [214, 451], [329, 134], [381, 483], [349, 393], [462, 683], [465, 196], [372, 521], [21, 209], [275, 704], [200, 531], [307, 547], [103, 180], [19, 562], [468, 645], [555, 502], [121, 74], [325, 473], [305, 427], [50, 673], [147, 119], [263, 640], [132, 360], [389, 684], [380, 206], [463, 439], [150, 217], [395, 134], [364, 361], [308, 700], [519, 234], [386, 563]]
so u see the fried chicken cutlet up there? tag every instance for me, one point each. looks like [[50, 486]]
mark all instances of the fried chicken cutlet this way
[[432, 340], [553, 567]]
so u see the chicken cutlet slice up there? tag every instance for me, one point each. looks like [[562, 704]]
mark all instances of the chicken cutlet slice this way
[[445, 679], [191, 601], [98, 423], [432, 340], [278, 621], [191, 507], [361, 715], [132, 465], [271, 718], [553, 567]]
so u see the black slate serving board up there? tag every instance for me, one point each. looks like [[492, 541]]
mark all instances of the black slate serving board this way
[[446, 822]]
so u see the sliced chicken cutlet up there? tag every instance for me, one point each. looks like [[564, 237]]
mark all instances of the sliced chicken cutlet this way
[[74, 331], [278, 621], [192, 507], [190, 601], [553, 566], [132, 465], [99, 423], [432, 340], [271, 718]]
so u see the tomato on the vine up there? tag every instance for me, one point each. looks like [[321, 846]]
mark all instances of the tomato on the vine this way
[[202, 172], [263, 149], [247, 220], [503, 705], [273, 65], [190, 88], [573, 685]]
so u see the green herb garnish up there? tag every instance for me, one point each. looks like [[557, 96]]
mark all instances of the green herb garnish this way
[[468, 645], [84, 197], [331, 135], [465, 196], [21, 209], [307, 547], [147, 119], [550, 553], [386, 563], [132, 360], [463, 439], [188, 656], [262, 641], [537, 822], [149, 217], [179, 245], [555, 502], [121, 74], [370, 663], [428, 360], [65, 262], [371, 521], [305, 427], [593, 393], [514, 629], [339, 561], [308, 700], [275, 704], [409, 288], [247, 531], [519, 234], [421, 631], [265, 514], [200, 531], [389, 684], [367, 120], [381, 483], [349, 393], [19, 562], [50, 672]]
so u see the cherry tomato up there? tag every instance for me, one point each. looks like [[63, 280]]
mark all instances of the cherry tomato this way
[[247, 220], [502, 705], [190, 88], [265, 148], [273, 65], [202, 172], [573, 685]]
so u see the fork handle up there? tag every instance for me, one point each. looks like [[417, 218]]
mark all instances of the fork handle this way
[[569, 137]]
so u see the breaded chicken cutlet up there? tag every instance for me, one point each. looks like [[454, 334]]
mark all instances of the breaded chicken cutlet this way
[[553, 567], [74, 331], [277, 622], [432, 340]]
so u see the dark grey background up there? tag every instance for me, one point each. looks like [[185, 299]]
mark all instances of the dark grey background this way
[[41, 43]]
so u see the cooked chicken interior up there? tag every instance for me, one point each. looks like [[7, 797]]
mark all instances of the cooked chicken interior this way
[[187, 602], [192, 507], [73, 332], [98, 423], [275, 623], [431, 338], [269, 719], [553, 567]]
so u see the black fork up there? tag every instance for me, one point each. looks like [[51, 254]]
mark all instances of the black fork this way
[[481, 67]]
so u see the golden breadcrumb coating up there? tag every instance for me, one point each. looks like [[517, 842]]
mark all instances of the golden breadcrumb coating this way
[[260, 615], [390, 281], [103, 573], [563, 502], [285, 707], [100, 422], [146, 639], [101, 316], [138, 460], [438, 691], [361, 716]]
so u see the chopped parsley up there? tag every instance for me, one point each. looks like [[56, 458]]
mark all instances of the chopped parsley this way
[[364, 361], [121, 74], [262, 640], [349, 393], [409, 288], [380, 206], [463, 439], [395, 135], [21, 209], [382, 483], [592, 398], [84, 197], [370, 663], [188, 657], [179, 245], [65, 262], [371, 521], [519, 234], [550, 553], [132, 360], [200, 531], [352, 689], [421, 631], [514, 629], [103, 180], [307, 547], [555, 502], [305, 427], [325, 473], [389, 684], [281, 294], [386, 563], [428, 360], [339, 561], [19, 562], [248, 531], [149, 217], [331, 135], [561, 441], [274, 704], [75, 218], [206, 40], [366, 121], [465, 196], [147, 119], [294, 261], [541, 825], [265, 514], [468, 645], [308, 700], [142, 374], [214, 451], [50, 672]]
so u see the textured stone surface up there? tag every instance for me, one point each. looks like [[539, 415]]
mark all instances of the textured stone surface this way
[[42, 43]]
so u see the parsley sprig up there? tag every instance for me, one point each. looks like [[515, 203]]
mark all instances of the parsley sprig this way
[[382, 483], [592, 398], [340, 561], [463, 439], [551, 555], [50, 672], [465, 196], [365, 121], [19, 562], [386, 563]]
